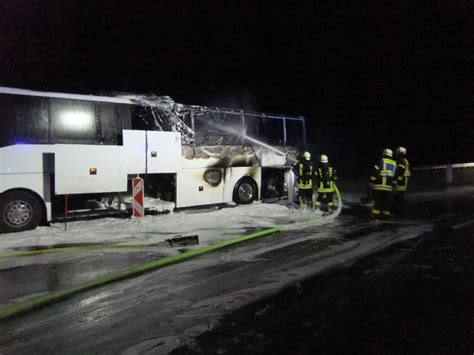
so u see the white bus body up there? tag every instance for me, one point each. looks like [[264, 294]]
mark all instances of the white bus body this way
[[82, 144]]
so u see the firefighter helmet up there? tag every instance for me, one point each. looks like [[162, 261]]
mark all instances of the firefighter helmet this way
[[324, 158], [402, 150], [387, 152], [307, 155]]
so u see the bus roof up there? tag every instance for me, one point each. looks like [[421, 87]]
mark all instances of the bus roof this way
[[161, 101], [14, 91]]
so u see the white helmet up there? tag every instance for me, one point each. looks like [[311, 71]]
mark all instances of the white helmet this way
[[307, 155], [324, 158], [387, 152], [402, 150]]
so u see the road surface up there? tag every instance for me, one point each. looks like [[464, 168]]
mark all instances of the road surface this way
[[354, 285]]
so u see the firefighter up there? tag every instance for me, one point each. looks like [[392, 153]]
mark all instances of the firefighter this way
[[326, 175], [402, 174], [304, 173], [382, 184]]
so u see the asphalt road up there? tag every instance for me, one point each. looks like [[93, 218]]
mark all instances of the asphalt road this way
[[354, 285], [415, 297]]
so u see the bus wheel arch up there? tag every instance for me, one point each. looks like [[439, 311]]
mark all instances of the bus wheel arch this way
[[245, 191], [21, 209]]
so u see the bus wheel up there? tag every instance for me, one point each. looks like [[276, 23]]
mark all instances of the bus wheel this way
[[19, 211], [245, 191]]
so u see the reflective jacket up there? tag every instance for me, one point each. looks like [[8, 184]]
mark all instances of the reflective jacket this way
[[402, 174], [304, 171], [383, 174], [326, 176]]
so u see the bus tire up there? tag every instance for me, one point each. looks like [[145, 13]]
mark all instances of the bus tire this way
[[245, 191], [20, 211]]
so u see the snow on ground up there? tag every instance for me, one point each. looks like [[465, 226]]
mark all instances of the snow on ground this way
[[211, 225]]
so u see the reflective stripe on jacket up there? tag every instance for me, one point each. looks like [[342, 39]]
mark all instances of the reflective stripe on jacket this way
[[305, 175], [326, 177], [383, 175], [402, 174]]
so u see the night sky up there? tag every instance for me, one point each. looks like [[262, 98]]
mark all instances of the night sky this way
[[366, 75]]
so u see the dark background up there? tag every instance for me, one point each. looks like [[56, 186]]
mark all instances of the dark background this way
[[366, 75]]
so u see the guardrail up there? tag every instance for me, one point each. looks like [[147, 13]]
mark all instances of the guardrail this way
[[446, 174]]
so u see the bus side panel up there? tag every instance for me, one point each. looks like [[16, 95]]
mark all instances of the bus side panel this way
[[89, 169], [193, 190], [134, 151], [164, 152], [272, 159], [23, 158]]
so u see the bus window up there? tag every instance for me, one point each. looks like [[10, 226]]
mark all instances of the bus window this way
[[24, 119], [142, 118], [73, 121], [113, 118], [294, 133], [218, 128], [268, 130]]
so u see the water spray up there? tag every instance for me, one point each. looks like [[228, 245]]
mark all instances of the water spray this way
[[267, 146], [258, 142]]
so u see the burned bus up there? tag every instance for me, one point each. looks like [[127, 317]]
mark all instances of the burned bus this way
[[56, 145]]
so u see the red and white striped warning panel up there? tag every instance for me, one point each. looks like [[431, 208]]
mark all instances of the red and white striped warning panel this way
[[138, 197]]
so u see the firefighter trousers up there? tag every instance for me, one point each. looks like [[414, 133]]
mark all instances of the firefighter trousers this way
[[306, 197], [382, 204], [325, 199]]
